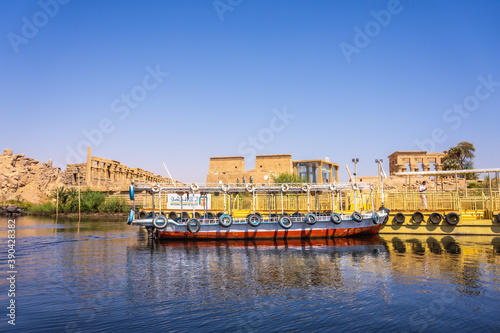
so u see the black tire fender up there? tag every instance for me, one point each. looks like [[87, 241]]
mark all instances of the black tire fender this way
[[435, 218], [160, 222], [452, 218], [399, 217], [285, 222], [193, 229]]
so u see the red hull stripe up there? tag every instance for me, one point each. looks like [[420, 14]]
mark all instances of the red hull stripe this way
[[270, 234]]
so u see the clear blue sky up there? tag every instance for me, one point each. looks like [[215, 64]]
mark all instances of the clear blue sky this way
[[360, 79]]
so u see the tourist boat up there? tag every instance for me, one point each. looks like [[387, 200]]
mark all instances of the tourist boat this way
[[203, 224]]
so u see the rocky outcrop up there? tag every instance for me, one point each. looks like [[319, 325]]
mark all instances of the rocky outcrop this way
[[11, 210], [26, 179]]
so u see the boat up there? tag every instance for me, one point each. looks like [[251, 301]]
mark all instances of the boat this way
[[229, 224]]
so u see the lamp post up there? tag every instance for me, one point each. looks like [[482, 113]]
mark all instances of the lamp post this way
[[355, 161], [379, 164]]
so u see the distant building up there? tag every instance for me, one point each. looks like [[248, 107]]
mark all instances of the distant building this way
[[231, 169], [101, 172], [403, 161]]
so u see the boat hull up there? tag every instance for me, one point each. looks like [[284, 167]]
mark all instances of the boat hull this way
[[272, 230]]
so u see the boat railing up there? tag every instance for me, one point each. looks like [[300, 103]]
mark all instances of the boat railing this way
[[250, 187]]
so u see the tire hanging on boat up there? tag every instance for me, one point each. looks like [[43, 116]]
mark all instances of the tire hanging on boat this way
[[357, 217], [131, 192], [254, 220], [452, 218], [375, 218], [435, 218], [285, 222], [225, 220], [193, 229], [335, 217], [399, 217], [142, 215], [209, 215], [160, 222], [310, 219], [172, 216], [130, 216], [417, 217]]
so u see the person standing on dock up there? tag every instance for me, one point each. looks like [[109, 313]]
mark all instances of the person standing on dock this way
[[423, 191]]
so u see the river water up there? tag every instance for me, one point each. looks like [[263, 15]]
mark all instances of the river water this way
[[105, 276]]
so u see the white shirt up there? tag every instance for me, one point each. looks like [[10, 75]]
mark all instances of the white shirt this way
[[423, 189]]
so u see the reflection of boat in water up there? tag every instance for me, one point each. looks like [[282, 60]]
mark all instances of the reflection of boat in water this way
[[203, 224], [346, 244]]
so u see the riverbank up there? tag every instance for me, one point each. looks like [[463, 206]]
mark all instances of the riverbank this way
[[18, 210]]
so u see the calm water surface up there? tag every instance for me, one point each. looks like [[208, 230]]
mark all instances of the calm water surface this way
[[103, 276]]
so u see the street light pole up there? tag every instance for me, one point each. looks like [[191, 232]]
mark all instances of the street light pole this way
[[355, 161], [379, 163]]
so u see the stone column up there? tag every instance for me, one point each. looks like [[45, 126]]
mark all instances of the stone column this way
[[88, 173]]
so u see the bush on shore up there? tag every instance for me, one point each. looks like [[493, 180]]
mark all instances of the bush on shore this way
[[90, 202]]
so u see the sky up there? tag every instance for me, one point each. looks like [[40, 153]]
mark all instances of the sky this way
[[146, 82]]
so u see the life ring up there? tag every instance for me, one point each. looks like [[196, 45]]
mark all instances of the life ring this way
[[310, 219], [193, 229], [435, 218], [452, 218], [285, 222], [194, 187], [225, 188], [131, 192], [417, 217], [335, 217], [172, 216], [160, 222], [254, 220], [130, 216], [284, 188], [155, 188], [375, 218], [249, 187], [357, 217], [142, 215], [399, 217], [305, 187], [225, 220]]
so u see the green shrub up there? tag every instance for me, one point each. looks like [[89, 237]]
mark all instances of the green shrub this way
[[45, 208], [114, 205]]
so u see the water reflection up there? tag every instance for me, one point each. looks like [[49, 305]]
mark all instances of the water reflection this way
[[179, 267], [103, 275]]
